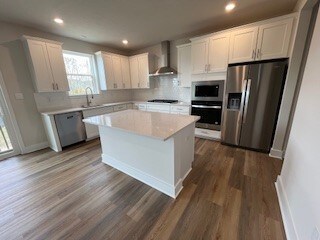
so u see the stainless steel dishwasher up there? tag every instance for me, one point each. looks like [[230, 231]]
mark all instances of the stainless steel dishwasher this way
[[70, 128]]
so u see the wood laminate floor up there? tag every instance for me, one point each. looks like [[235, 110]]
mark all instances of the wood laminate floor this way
[[229, 194]]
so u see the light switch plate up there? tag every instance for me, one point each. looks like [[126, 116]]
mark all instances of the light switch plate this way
[[19, 96]]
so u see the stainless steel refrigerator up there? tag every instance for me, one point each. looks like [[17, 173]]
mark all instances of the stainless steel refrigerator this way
[[252, 100]]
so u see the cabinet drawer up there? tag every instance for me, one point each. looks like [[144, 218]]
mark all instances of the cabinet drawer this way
[[158, 108], [120, 107], [129, 106], [142, 107], [183, 109], [97, 111]]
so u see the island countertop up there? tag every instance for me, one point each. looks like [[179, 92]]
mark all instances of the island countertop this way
[[161, 126]]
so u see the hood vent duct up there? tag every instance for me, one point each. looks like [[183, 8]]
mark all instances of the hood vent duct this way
[[166, 69]]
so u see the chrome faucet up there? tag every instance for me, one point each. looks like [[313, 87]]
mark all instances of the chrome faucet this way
[[87, 96]]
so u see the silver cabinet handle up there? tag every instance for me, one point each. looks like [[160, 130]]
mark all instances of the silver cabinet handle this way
[[258, 54], [57, 86], [246, 101], [53, 87], [138, 84], [123, 85], [208, 68], [253, 54]]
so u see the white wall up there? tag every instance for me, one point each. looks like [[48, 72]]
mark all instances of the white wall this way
[[13, 65], [300, 177]]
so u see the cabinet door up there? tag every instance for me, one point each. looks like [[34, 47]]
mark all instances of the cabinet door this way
[[199, 56], [143, 66], [243, 45], [274, 40], [218, 53], [184, 65], [134, 72], [40, 64], [57, 66], [109, 74], [117, 72], [125, 67]]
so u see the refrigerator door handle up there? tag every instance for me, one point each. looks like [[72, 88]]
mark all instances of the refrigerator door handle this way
[[246, 101]]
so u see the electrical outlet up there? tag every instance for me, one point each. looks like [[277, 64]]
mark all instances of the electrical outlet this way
[[315, 234]]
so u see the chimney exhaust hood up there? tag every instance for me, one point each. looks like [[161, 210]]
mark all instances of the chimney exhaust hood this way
[[166, 69]]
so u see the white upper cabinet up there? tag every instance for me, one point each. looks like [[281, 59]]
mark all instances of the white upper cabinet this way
[[218, 53], [184, 65], [139, 70], [263, 42], [143, 62], [243, 45], [210, 55], [121, 72], [114, 71], [125, 69], [274, 39], [46, 64], [105, 70], [199, 56], [117, 71], [58, 67], [134, 72]]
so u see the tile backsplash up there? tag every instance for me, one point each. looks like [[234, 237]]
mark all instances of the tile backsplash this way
[[165, 87], [57, 101], [161, 88]]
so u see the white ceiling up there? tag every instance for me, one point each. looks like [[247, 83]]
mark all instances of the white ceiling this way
[[142, 22]]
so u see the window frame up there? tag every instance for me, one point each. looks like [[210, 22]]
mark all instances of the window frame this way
[[94, 70]]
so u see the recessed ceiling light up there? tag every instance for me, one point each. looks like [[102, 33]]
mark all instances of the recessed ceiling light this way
[[125, 42], [58, 20], [230, 6]]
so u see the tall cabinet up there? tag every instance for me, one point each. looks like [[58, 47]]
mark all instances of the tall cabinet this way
[[46, 64]]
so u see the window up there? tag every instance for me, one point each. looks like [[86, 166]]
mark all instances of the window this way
[[80, 72]]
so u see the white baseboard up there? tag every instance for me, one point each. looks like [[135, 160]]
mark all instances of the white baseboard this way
[[35, 147], [288, 223], [275, 153], [166, 188]]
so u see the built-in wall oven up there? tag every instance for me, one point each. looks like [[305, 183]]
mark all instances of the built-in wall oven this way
[[206, 100]]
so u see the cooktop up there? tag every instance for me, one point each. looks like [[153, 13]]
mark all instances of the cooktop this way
[[163, 101]]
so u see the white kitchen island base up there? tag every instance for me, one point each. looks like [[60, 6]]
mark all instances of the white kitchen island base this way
[[160, 164]]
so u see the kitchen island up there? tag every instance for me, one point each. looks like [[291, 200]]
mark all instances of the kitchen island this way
[[155, 148]]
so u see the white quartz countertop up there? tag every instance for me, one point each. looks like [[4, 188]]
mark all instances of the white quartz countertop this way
[[67, 110], [161, 126], [84, 108]]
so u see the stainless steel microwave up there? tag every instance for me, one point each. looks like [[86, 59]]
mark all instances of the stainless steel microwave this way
[[207, 91]]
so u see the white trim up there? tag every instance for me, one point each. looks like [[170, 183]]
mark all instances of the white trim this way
[[156, 183], [275, 153], [25, 37], [35, 147], [254, 24], [289, 227]]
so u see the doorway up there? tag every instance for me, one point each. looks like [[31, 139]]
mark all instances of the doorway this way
[[9, 145]]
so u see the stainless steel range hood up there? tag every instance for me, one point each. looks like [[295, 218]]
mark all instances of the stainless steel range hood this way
[[166, 69]]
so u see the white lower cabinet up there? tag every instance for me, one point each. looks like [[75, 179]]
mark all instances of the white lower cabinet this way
[[182, 110], [158, 108], [118, 108], [92, 130]]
